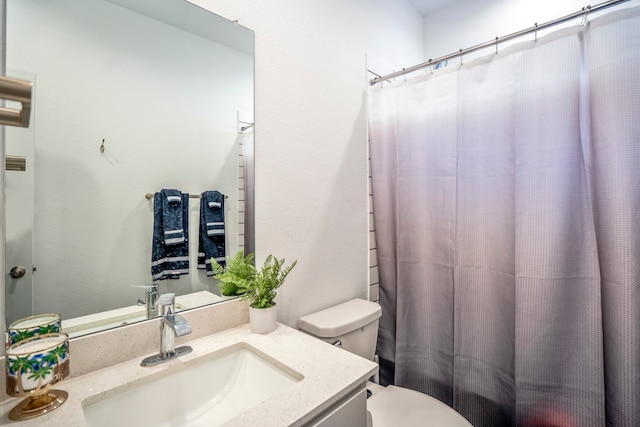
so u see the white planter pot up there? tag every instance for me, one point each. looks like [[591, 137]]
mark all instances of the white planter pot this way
[[263, 320]]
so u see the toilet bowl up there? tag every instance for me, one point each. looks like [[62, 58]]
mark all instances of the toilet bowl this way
[[353, 326]]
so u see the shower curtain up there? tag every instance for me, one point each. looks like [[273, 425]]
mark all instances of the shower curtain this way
[[506, 197]]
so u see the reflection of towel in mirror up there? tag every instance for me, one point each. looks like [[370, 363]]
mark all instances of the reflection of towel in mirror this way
[[212, 236], [172, 217], [169, 261]]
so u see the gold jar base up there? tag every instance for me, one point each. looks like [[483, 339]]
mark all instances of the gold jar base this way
[[32, 407]]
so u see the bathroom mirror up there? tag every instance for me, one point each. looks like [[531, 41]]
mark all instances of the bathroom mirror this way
[[130, 97]]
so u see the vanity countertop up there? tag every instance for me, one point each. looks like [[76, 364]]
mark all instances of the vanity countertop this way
[[329, 374]]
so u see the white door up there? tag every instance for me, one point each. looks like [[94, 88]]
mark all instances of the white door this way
[[19, 196]]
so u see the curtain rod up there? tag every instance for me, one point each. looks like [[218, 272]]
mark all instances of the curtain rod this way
[[581, 13]]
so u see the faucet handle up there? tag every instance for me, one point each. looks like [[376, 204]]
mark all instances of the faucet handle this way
[[167, 299], [152, 287], [181, 326], [166, 304]]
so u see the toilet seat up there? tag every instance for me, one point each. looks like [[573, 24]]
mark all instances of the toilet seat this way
[[397, 406]]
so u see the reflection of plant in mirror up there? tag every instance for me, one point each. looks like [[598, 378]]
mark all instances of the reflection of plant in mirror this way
[[257, 286], [235, 279]]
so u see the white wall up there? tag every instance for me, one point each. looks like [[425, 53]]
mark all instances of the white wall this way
[[168, 116], [468, 23], [311, 164]]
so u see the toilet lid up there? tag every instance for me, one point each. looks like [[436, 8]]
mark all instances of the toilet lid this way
[[397, 406]]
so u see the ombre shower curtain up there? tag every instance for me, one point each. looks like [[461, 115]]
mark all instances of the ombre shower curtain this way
[[506, 194]]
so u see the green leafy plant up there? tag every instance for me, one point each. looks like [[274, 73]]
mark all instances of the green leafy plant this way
[[257, 286], [235, 279]]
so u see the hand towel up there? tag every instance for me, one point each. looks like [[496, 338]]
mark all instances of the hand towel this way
[[172, 217], [211, 242], [169, 261]]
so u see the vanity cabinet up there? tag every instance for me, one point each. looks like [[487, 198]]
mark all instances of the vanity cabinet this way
[[351, 412]]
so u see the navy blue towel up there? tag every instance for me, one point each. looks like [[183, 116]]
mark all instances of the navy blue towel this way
[[172, 220], [170, 260], [211, 243]]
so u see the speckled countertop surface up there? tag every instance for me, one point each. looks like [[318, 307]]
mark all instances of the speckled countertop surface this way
[[328, 374]]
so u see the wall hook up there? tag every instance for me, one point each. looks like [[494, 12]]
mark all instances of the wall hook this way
[[102, 146]]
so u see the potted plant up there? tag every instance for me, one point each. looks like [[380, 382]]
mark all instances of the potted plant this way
[[256, 285]]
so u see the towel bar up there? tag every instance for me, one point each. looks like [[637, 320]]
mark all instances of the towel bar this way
[[191, 196]]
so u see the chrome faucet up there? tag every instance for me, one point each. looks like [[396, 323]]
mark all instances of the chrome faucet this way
[[171, 326], [150, 299]]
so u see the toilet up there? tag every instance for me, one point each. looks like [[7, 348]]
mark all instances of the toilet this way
[[353, 326]]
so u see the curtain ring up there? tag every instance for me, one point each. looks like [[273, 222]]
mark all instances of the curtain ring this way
[[460, 54], [431, 65], [585, 18], [536, 33], [496, 45]]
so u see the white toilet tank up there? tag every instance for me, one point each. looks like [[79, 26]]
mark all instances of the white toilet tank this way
[[353, 323]]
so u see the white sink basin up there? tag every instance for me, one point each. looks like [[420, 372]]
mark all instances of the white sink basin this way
[[207, 392]]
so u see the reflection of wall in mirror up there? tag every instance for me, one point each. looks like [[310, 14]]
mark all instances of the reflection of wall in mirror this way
[[165, 102]]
